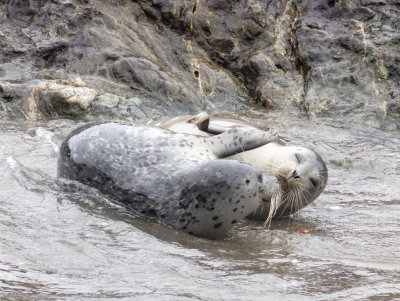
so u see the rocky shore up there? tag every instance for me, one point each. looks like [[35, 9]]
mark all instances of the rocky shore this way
[[137, 60]]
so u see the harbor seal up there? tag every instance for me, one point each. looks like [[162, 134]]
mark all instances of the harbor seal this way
[[301, 171], [179, 179]]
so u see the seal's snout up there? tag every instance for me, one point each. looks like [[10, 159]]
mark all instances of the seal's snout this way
[[295, 175]]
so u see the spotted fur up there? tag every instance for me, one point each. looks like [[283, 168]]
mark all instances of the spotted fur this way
[[175, 178]]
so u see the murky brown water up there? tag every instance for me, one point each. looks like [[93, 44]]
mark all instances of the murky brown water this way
[[62, 241]]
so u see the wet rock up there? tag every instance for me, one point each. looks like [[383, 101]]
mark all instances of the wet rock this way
[[356, 64], [108, 100], [141, 73], [320, 58], [38, 99], [316, 58], [392, 107]]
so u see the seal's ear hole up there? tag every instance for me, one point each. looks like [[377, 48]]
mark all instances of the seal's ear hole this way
[[314, 182], [196, 73]]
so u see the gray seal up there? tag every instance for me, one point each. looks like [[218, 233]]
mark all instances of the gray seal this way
[[182, 180], [301, 171]]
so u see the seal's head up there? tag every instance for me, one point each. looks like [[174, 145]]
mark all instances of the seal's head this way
[[302, 174]]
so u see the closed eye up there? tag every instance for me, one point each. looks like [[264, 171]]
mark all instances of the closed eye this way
[[314, 182], [298, 158]]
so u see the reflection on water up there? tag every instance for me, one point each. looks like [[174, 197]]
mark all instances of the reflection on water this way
[[61, 240]]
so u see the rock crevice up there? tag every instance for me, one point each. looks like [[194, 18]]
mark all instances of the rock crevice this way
[[320, 59]]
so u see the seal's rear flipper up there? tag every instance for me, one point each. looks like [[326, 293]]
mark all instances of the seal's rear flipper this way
[[202, 120]]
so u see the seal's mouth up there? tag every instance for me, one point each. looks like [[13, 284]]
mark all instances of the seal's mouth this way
[[289, 179], [283, 181], [294, 196]]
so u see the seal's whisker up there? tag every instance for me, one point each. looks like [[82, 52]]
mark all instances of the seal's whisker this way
[[323, 177], [243, 154], [302, 200], [295, 200], [305, 191], [298, 200], [275, 202], [288, 200]]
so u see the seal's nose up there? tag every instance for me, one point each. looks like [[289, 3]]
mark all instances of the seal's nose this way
[[295, 175]]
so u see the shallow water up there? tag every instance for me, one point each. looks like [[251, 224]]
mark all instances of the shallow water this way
[[60, 240]]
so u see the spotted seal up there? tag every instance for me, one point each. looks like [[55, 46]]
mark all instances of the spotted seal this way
[[182, 180], [301, 171]]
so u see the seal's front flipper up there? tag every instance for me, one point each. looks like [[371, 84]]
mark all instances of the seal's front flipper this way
[[239, 140]]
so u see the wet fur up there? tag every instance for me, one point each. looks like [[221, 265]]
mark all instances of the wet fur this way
[[173, 178]]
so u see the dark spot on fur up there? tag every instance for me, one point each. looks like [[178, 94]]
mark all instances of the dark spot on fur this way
[[234, 210], [234, 222], [184, 228], [201, 199], [197, 206], [215, 217], [217, 225], [247, 181]]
